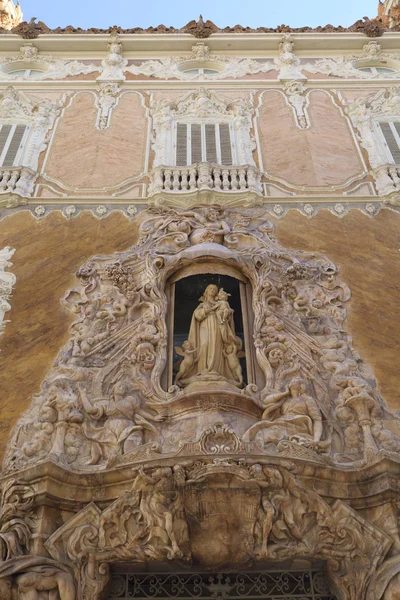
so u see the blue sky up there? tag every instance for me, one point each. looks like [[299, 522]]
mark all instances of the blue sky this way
[[143, 13]]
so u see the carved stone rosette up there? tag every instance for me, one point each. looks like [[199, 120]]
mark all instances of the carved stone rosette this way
[[112, 464]]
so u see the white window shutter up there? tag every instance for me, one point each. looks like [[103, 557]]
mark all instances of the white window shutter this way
[[391, 140], [4, 133], [211, 143], [13, 148], [181, 144], [226, 148], [196, 143]]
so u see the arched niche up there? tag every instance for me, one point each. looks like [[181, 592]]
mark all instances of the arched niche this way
[[184, 290]]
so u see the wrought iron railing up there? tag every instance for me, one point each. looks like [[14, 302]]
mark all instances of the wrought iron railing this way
[[271, 585]]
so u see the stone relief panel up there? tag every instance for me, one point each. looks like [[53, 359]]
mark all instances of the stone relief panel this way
[[31, 65], [105, 400], [351, 65], [7, 282], [201, 64]]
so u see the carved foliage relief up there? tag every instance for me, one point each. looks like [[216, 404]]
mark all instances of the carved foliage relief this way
[[106, 397]]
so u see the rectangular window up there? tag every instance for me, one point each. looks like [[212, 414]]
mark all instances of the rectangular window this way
[[391, 133], [205, 142], [11, 142]]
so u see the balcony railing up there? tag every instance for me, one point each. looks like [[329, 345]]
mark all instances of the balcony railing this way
[[387, 179], [17, 180], [205, 176]]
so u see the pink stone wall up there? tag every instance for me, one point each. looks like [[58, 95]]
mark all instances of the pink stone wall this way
[[323, 155], [84, 157]]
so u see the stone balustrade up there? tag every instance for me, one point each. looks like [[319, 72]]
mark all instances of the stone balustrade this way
[[17, 180], [205, 176], [387, 179]]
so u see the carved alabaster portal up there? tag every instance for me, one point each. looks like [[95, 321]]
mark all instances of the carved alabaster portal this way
[[107, 396], [115, 464]]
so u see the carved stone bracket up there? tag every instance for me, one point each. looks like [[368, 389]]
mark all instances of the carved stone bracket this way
[[106, 101], [296, 95]]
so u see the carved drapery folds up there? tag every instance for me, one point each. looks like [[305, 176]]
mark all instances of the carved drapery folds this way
[[154, 473]]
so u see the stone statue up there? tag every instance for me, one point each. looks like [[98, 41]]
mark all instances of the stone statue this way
[[124, 422], [211, 352], [291, 414]]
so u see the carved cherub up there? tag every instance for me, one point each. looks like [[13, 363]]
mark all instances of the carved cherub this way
[[230, 353], [224, 311], [188, 353]]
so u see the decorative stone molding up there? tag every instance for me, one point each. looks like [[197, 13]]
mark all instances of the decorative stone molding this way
[[106, 100], [176, 67], [365, 113], [43, 66], [287, 61], [346, 66], [277, 207], [202, 106], [7, 281], [39, 115], [10, 14], [114, 64]]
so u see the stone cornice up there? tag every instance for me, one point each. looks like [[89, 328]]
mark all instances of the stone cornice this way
[[244, 44], [360, 487]]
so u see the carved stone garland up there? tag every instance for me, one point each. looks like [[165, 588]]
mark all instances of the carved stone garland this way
[[7, 281], [195, 455], [41, 66]]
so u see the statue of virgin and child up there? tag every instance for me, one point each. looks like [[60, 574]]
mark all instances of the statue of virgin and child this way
[[212, 351]]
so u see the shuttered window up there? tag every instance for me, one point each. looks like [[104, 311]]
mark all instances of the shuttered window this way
[[11, 140], [205, 142], [391, 133]]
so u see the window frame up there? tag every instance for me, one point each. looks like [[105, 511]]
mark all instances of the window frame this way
[[385, 150]]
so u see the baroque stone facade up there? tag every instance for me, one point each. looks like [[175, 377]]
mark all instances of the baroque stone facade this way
[[188, 389]]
